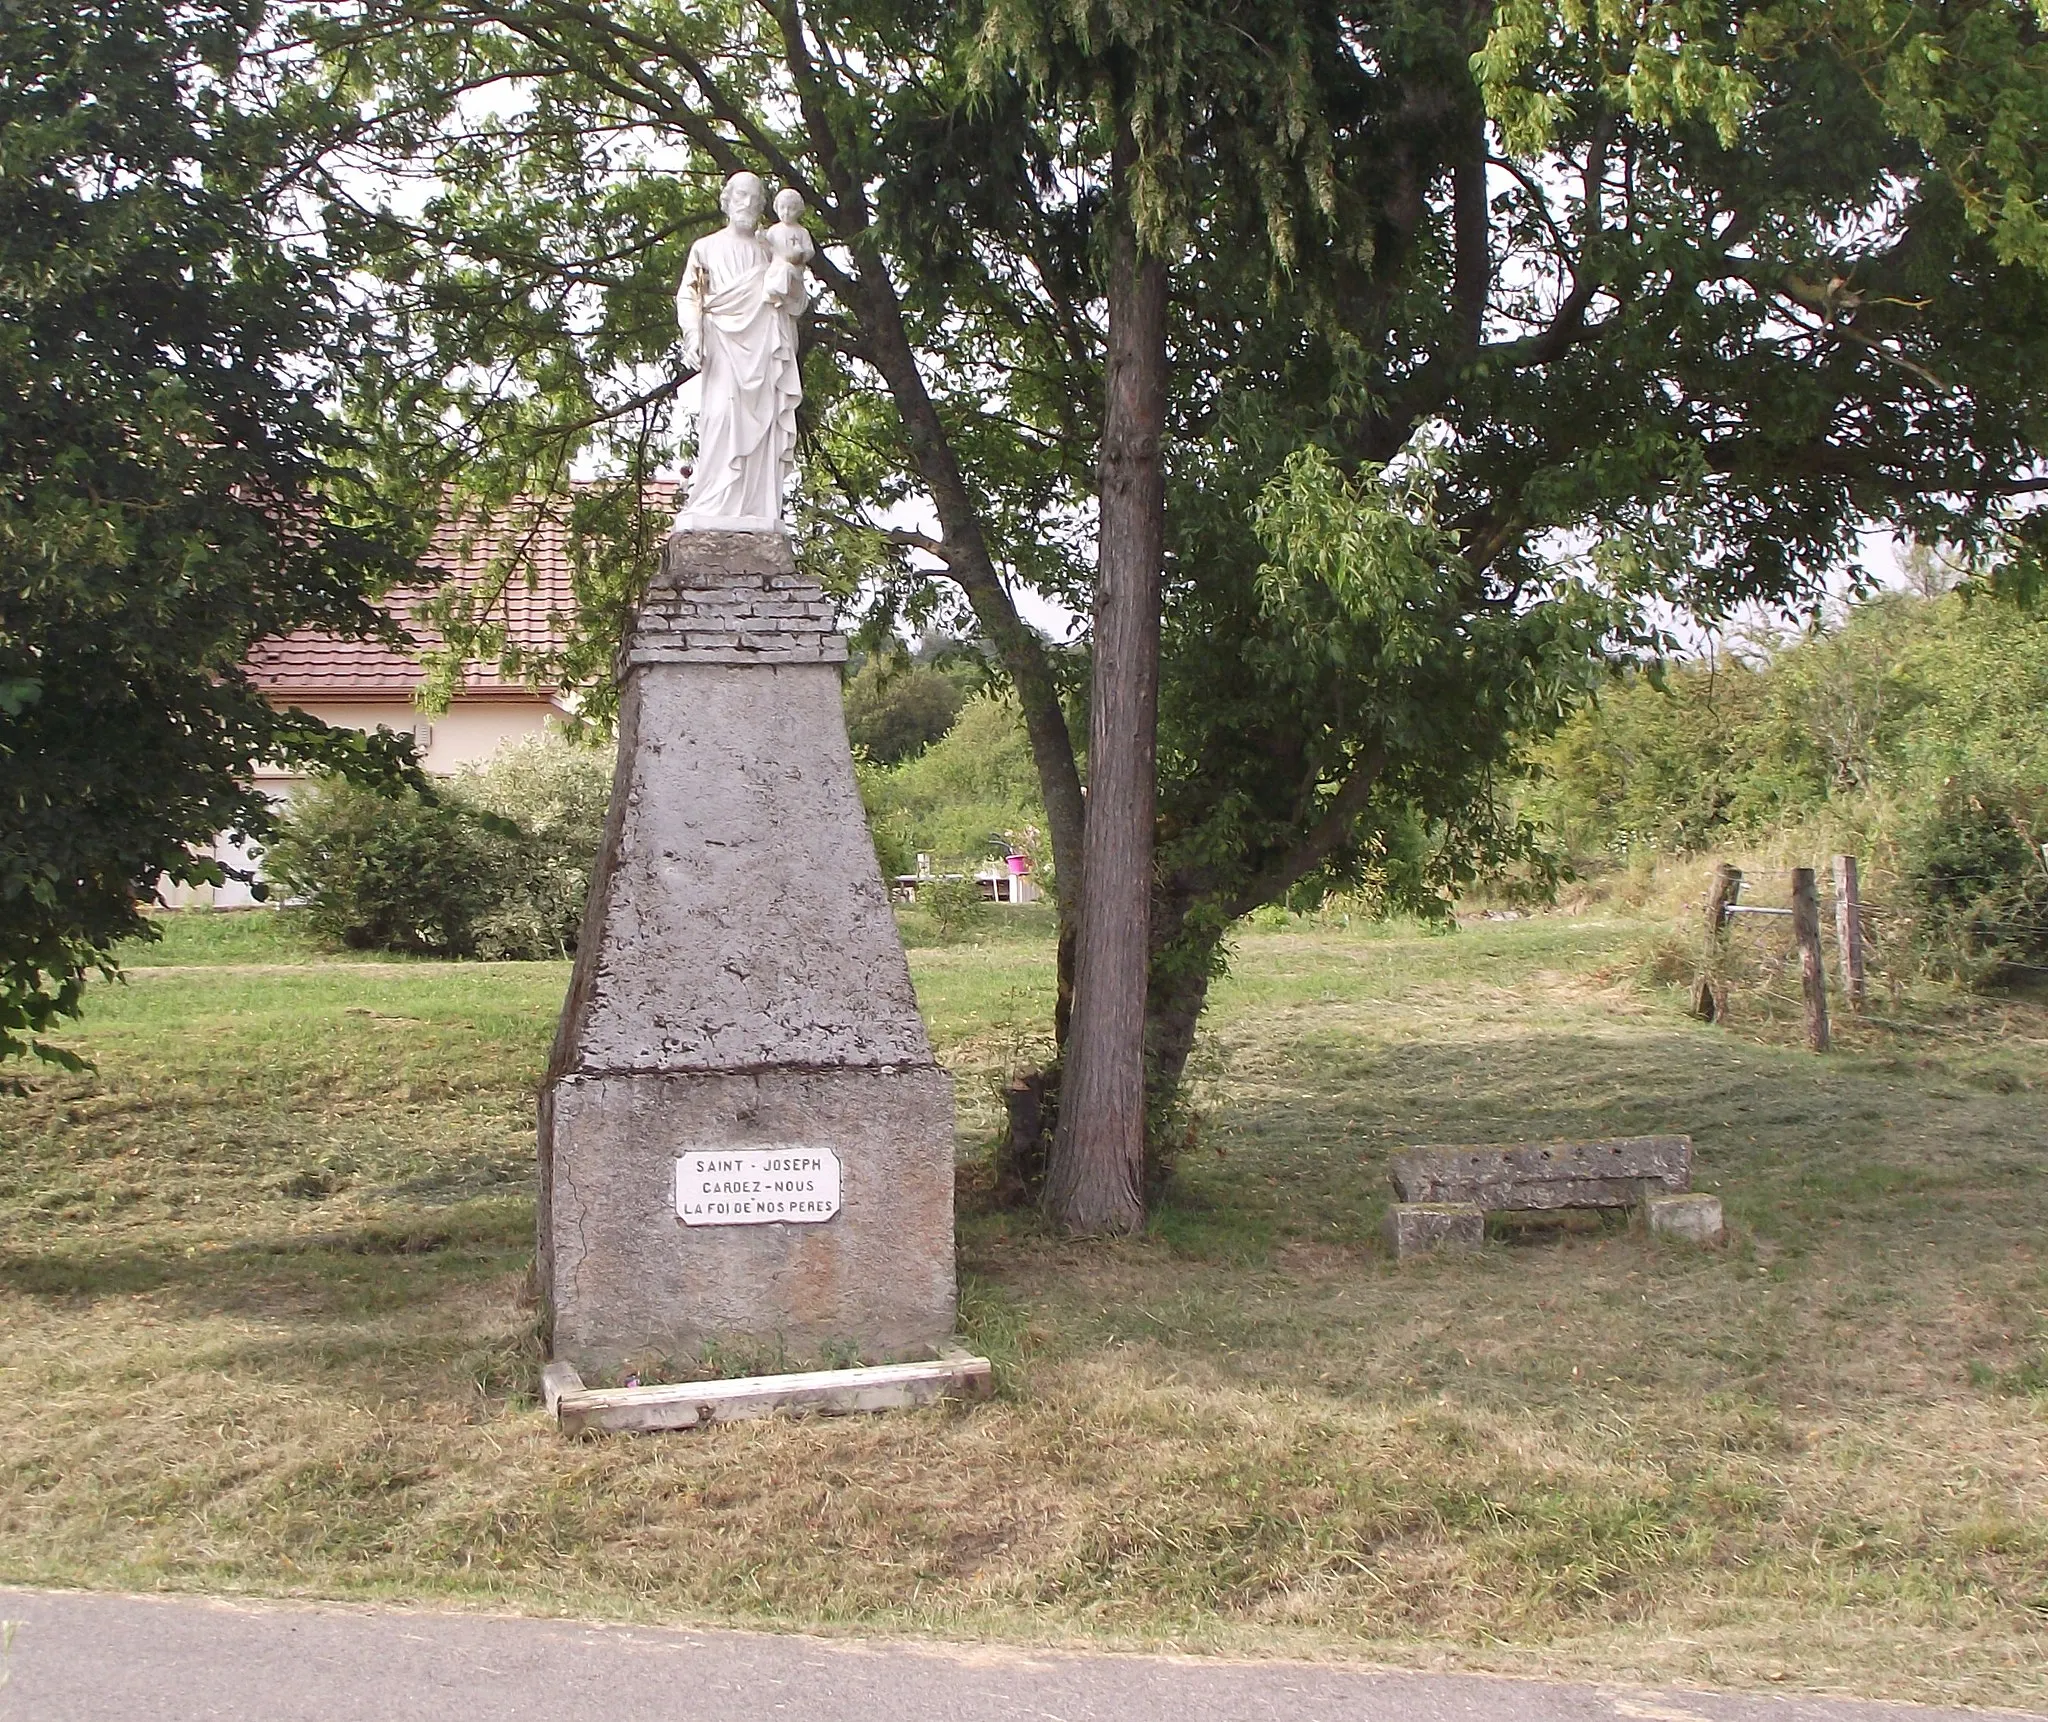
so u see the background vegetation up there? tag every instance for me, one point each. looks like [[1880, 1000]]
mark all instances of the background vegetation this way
[[1912, 733], [495, 863], [898, 703], [963, 799]]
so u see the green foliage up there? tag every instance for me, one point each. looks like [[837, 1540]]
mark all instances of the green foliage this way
[[955, 905], [556, 791], [895, 708], [1966, 82], [1862, 729], [961, 797], [1659, 763], [404, 872], [546, 800], [1372, 544], [1345, 697], [1915, 733], [171, 489], [495, 865], [1644, 330], [1193, 82], [1975, 869], [1752, 277]]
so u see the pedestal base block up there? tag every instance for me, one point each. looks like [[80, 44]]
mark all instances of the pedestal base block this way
[[634, 1284], [1691, 1219]]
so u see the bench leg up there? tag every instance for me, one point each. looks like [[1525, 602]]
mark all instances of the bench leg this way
[[1690, 1219], [1416, 1228]]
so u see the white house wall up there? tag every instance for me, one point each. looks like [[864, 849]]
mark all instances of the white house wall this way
[[468, 733]]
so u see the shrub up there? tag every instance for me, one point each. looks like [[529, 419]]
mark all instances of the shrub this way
[[386, 873], [955, 906], [1974, 875], [496, 866], [556, 795], [552, 789]]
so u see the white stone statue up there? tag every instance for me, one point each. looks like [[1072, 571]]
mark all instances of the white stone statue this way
[[741, 296]]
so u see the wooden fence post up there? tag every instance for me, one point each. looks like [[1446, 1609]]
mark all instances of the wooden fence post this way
[[1813, 975], [1726, 885], [1849, 928]]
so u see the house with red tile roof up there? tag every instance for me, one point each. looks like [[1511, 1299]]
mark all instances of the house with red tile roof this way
[[366, 684]]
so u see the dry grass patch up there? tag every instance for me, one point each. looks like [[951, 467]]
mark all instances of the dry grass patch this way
[[260, 1276]]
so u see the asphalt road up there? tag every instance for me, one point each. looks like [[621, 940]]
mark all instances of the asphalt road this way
[[94, 1658]]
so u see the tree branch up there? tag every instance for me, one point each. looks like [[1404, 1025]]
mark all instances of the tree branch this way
[[1471, 248], [1319, 842], [870, 295]]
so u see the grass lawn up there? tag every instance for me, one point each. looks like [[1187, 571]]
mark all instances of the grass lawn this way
[[260, 1277]]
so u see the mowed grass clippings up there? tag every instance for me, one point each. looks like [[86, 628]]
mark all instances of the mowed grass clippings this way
[[260, 1281]]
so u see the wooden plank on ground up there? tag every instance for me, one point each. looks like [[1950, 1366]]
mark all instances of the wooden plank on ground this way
[[556, 1379], [825, 1392], [1615, 1173]]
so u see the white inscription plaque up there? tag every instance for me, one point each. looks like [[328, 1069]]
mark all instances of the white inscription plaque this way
[[757, 1186]]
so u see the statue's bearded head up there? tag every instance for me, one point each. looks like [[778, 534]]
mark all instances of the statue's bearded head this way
[[743, 200]]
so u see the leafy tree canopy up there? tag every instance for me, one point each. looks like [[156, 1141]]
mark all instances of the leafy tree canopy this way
[[171, 487], [896, 709], [1495, 331]]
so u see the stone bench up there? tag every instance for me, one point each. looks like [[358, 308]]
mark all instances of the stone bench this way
[[1446, 1193]]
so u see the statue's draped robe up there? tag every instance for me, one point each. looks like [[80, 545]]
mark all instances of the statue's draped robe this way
[[746, 426]]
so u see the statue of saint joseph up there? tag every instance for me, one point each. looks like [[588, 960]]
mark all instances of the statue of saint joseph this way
[[738, 305]]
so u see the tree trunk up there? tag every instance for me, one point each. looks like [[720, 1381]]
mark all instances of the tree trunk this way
[[1174, 1013], [1094, 1182], [1030, 1101], [1183, 963]]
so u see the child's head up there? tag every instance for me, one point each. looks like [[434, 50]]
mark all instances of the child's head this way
[[789, 205]]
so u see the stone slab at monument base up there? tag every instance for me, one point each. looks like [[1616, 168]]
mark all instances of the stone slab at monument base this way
[[746, 1146], [584, 1410]]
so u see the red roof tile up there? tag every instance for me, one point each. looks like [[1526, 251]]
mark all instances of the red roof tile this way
[[537, 600]]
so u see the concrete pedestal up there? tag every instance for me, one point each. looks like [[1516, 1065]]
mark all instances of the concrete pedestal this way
[[739, 985]]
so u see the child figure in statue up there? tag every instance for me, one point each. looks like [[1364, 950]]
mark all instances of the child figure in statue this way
[[793, 248]]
